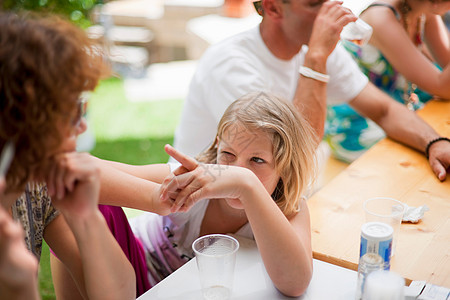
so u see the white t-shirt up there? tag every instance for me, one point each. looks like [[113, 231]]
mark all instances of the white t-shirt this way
[[242, 64]]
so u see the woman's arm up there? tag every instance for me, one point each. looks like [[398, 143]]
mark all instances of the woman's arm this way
[[392, 40], [81, 238], [437, 39]]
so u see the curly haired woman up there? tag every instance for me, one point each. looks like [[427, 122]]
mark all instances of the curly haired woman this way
[[45, 66]]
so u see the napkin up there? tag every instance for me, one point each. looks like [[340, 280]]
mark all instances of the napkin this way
[[414, 214]]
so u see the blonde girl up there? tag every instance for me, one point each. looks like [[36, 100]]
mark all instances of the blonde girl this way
[[249, 182]]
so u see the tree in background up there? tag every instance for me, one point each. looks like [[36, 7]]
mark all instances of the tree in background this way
[[76, 10]]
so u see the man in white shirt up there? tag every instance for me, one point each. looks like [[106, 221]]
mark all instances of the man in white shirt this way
[[273, 57]]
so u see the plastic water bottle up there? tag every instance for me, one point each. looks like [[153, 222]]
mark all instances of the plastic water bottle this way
[[368, 263]]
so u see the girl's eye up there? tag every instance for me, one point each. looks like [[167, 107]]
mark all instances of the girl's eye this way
[[258, 160], [227, 156]]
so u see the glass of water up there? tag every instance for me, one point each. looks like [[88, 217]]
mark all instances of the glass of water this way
[[216, 258]]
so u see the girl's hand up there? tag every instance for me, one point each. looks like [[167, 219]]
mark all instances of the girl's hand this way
[[187, 164], [207, 182], [73, 182]]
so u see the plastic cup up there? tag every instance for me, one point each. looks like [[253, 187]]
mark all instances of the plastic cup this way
[[216, 258], [358, 32], [386, 210]]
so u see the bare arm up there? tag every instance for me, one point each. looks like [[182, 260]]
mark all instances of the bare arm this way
[[136, 186], [123, 189], [310, 96], [152, 172], [437, 39], [285, 245], [403, 125], [389, 36], [81, 237]]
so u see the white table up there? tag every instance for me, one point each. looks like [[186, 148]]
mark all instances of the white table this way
[[252, 281]]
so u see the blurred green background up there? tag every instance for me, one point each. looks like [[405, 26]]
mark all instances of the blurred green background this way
[[76, 10]]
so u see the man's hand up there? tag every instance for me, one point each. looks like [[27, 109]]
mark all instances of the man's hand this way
[[439, 158], [332, 17]]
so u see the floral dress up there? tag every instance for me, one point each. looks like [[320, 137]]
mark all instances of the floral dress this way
[[34, 210], [348, 133]]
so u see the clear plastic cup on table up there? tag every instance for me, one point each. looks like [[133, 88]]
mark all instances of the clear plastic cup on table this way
[[386, 210], [216, 259]]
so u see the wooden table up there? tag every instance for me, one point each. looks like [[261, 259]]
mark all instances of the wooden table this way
[[393, 170]]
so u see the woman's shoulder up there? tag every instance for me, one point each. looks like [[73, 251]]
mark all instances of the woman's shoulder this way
[[378, 13], [381, 7], [39, 201]]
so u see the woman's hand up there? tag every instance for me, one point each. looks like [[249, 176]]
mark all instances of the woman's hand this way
[[73, 182]]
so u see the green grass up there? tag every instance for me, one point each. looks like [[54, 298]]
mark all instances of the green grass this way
[[115, 118], [129, 132], [45, 279]]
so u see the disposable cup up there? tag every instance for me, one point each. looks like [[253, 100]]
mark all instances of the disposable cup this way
[[386, 210], [358, 32], [216, 258]]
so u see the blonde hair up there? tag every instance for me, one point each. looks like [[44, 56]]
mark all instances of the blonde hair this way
[[292, 138]]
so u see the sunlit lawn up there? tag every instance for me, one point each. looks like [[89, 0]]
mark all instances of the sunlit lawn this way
[[127, 132]]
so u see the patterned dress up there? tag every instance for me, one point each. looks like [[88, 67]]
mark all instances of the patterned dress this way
[[348, 133], [34, 210]]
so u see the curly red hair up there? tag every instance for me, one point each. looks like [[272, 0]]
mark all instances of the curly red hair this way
[[45, 64]]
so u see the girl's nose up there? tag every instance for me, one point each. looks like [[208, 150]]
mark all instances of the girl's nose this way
[[239, 163]]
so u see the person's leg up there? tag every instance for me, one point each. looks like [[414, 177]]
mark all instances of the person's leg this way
[[65, 287], [120, 228]]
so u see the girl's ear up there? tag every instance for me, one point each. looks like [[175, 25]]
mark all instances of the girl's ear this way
[[272, 9]]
